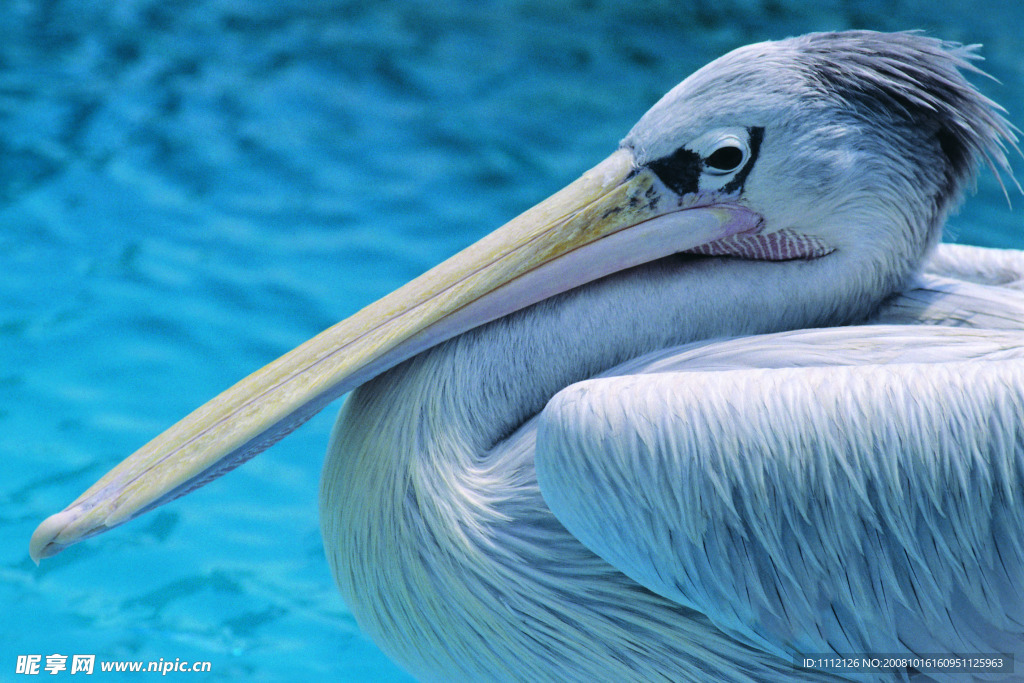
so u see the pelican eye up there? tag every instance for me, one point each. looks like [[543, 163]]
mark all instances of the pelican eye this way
[[725, 159]]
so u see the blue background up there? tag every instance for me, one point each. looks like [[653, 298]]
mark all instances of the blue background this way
[[190, 189]]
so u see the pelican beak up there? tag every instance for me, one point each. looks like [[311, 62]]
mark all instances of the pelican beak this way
[[614, 217]]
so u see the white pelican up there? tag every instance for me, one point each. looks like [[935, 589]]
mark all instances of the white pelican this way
[[705, 509]]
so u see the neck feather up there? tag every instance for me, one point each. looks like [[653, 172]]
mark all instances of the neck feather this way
[[433, 521]]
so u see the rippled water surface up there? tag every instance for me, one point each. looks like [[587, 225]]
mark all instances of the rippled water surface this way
[[189, 189]]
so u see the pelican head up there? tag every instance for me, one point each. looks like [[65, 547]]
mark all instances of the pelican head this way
[[853, 142], [787, 184]]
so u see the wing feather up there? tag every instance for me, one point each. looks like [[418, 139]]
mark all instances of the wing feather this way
[[870, 505]]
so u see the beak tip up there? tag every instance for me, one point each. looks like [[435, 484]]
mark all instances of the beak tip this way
[[44, 542]]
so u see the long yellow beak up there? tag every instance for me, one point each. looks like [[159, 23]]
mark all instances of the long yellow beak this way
[[614, 217]]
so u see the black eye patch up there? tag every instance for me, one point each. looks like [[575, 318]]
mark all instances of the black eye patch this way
[[680, 171]]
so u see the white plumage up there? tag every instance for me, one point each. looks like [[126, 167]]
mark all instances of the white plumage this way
[[871, 505], [830, 491], [628, 437]]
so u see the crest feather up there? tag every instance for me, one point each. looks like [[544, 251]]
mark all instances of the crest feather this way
[[919, 80]]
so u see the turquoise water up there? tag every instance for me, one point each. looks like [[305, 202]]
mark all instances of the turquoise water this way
[[190, 189]]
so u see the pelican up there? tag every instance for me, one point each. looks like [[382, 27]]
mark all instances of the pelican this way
[[719, 410]]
